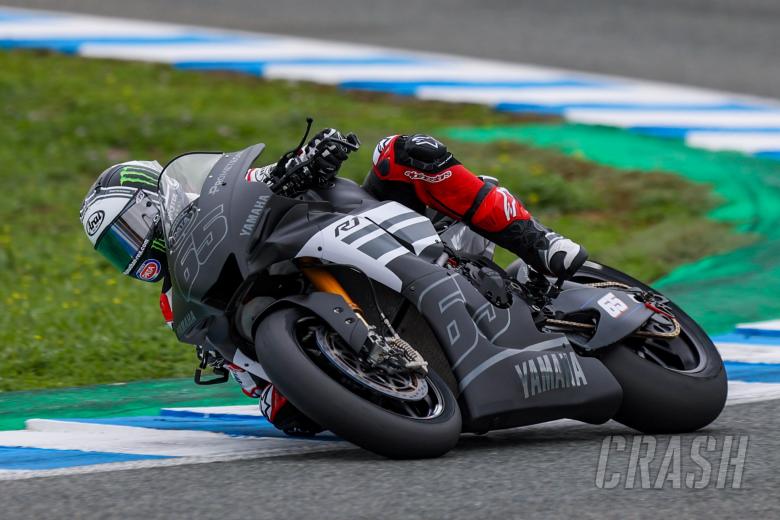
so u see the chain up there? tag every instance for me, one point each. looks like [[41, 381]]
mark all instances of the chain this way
[[608, 284], [672, 334], [574, 324], [648, 334]]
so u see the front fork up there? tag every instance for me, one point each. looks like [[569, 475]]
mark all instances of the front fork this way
[[379, 346]]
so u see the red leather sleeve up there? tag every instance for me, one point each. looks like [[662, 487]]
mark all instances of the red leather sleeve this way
[[454, 191]]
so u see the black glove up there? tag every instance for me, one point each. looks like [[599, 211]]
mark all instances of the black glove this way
[[327, 154]]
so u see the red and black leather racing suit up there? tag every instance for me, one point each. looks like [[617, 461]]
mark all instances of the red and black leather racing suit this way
[[419, 171]]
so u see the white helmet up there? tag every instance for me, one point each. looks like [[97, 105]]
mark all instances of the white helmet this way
[[121, 216]]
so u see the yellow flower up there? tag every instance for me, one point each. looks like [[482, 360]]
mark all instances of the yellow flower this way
[[111, 281], [116, 301]]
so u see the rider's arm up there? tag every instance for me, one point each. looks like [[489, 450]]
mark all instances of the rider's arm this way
[[441, 182]]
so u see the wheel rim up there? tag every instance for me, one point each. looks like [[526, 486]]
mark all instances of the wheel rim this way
[[428, 406], [407, 386]]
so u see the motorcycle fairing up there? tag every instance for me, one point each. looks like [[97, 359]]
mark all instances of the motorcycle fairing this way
[[487, 346], [214, 233], [619, 313], [372, 238]]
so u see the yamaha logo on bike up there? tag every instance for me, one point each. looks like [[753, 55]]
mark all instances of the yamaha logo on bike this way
[[94, 221], [550, 372], [149, 270]]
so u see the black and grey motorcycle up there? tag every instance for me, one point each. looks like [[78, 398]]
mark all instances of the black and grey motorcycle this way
[[397, 334]]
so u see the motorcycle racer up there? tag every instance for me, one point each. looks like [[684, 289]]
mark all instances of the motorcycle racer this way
[[121, 217]]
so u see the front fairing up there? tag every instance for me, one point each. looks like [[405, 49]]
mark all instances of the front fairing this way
[[208, 232]]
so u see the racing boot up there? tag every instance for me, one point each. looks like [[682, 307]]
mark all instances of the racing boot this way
[[546, 251]]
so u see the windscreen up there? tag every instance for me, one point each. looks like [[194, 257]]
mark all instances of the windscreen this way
[[181, 182]]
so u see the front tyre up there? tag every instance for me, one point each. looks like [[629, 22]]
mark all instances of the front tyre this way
[[668, 386], [374, 422]]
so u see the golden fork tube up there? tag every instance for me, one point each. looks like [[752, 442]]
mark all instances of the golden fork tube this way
[[324, 281]]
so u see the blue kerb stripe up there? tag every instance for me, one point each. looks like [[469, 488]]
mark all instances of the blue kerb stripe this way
[[257, 66], [749, 339], [773, 154], [752, 372], [750, 331], [682, 131], [166, 412], [22, 458], [626, 107], [253, 427], [410, 88]]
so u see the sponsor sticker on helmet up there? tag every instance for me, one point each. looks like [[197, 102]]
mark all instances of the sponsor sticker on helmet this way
[[94, 221], [149, 270]]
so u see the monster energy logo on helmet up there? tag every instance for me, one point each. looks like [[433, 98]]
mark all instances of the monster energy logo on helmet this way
[[136, 175], [159, 245]]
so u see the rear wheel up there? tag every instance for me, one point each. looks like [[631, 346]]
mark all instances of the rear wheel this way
[[394, 415], [669, 385]]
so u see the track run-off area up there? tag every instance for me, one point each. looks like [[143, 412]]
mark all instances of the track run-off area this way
[[716, 131]]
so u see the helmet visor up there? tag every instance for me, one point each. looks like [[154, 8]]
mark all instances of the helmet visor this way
[[123, 242]]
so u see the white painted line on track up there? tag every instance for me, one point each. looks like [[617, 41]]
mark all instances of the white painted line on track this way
[[770, 325], [747, 142], [744, 393], [636, 94], [749, 353], [436, 70], [70, 435], [676, 119], [240, 410], [84, 27], [226, 52]]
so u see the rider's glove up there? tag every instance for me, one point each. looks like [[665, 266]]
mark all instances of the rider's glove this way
[[327, 155]]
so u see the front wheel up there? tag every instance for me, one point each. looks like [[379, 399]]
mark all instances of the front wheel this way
[[669, 386], [380, 413]]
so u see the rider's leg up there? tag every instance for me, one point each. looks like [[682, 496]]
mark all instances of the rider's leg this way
[[419, 169]]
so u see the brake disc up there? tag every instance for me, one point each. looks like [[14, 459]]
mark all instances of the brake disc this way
[[405, 385]]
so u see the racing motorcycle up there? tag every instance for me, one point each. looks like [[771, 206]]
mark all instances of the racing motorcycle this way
[[396, 331]]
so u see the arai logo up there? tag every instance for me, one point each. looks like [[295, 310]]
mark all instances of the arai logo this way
[[94, 221], [148, 270]]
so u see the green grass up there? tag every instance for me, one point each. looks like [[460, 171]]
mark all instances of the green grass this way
[[66, 318]]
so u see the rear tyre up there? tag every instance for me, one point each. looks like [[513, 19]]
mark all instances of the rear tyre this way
[[373, 422], [664, 393]]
